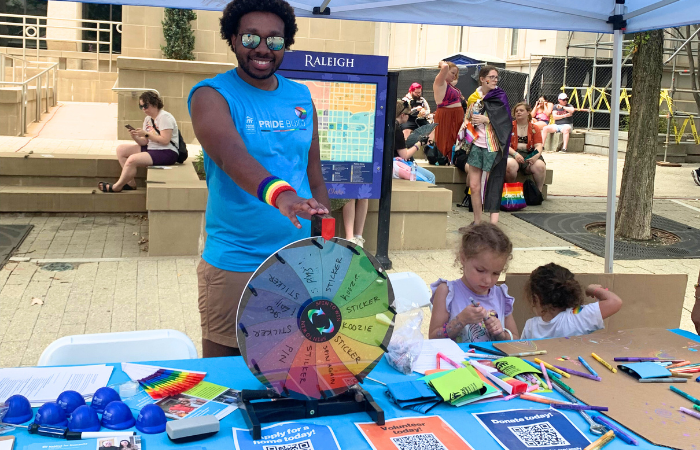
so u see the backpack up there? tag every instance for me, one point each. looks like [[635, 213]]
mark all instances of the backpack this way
[[533, 196], [434, 156], [181, 146]]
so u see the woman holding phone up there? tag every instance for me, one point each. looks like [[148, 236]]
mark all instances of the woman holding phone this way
[[155, 143]]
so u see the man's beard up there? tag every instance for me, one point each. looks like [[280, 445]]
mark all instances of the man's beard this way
[[274, 65]]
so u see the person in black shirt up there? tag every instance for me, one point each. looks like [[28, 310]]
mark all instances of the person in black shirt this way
[[400, 151], [420, 109]]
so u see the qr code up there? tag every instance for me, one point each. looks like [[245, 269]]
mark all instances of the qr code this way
[[541, 434], [303, 445], [424, 441]]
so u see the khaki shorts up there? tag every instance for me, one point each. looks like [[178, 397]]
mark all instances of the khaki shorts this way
[[219, 294]]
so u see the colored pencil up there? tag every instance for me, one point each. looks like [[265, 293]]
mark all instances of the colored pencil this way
[[685, 395], [536, 366], [546, 377], [664, 380], [551, 367], [581, 407], [545, 400], [588, 368], [636, 359], [524, 354], [601, 441], [577, 373], [618, 432], [602, 361], [689, 412]]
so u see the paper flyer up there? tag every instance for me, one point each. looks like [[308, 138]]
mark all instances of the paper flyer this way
[[105, 443], [205, 399], [523, 429], [287, 435], [413, 433]]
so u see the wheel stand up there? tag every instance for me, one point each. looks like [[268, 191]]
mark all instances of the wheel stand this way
[[280, 409]]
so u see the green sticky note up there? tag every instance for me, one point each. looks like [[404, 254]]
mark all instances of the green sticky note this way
[[512, 366], [456, 384]]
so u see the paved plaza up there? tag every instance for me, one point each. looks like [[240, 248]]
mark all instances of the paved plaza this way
[[90, 274]]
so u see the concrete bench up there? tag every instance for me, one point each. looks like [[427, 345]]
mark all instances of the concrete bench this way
[[176, 200], [450, 177], [576, 142], [418, 217]]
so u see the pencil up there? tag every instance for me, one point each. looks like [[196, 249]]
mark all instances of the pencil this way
[[601, 441], [588, 367], [600, 360], [552, 368]]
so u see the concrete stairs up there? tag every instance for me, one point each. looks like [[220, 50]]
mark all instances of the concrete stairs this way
[[65, 183]]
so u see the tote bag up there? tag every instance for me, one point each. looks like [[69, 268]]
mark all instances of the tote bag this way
[[512, 198]]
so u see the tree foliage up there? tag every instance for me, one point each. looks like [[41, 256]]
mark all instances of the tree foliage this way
[[179, 37]]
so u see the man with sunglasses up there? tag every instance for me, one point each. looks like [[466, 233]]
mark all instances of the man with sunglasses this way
[[259, 133]]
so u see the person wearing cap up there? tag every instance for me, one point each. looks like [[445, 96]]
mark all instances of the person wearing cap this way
[[403, 109], [420, 109], [563, 120]]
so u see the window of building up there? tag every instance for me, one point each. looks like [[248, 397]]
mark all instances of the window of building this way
[[10, 35], [514, 42], [93, 11]]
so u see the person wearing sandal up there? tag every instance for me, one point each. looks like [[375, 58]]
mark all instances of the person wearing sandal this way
[[154, 144]]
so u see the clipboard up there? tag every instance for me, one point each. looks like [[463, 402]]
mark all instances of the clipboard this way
[[7, 442]]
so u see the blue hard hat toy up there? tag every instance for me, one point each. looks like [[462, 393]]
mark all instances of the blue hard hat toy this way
[[69, 401], [19, 410], [84, 419], [117, 416], [51, 414], [151, 420], [103, 396]]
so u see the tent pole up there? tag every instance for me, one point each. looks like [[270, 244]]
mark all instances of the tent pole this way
[[612, 154]]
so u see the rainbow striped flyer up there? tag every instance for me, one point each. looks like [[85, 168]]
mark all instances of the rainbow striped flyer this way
[[161, 382]]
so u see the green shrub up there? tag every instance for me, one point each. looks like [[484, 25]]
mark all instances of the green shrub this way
[[179, 37]]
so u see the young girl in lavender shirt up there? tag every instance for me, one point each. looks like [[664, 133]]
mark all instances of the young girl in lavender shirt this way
[[473, 308]]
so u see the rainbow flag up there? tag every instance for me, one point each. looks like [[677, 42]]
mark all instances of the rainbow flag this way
[[512, 198]]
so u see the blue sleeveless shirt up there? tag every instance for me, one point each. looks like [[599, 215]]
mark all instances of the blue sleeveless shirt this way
[[276, 127]]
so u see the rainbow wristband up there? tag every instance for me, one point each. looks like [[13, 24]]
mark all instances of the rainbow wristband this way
[[270, 188]]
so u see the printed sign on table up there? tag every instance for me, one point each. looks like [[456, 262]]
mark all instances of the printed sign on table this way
[[287, 436], [523, 429], [413, 433]]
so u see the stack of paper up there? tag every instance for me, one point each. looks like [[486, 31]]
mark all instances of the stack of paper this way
[[161, 382], [414, 394], [45, 384], [431, 347]]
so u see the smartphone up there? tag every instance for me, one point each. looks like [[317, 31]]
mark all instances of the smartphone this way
[[129, 127]]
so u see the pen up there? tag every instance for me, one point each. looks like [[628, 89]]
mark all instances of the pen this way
[[580, 407], [685, 395], [618, 432]]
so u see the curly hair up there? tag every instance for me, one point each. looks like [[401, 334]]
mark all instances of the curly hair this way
[[554, 288], [484, 236], [151, 98], [233, 12]]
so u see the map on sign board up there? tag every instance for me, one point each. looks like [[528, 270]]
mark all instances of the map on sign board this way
[[345, 119]]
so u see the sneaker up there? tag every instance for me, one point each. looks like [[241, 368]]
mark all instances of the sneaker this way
[[358, 241], [563, 150], [696, 178]]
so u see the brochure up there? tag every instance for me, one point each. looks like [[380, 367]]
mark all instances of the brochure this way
[[523, 429], [413, 433], [287, 435], [205, 399]]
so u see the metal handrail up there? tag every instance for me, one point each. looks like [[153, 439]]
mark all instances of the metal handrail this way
[[53, 68], [35, 24]]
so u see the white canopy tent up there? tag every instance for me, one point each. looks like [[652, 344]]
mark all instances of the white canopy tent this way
[[596, 16]]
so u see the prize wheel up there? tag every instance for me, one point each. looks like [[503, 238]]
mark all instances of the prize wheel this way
[[315, 318]]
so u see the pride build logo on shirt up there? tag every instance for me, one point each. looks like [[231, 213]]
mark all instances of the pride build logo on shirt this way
[[297, 123]]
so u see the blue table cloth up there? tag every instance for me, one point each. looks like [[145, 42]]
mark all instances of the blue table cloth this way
[[232, 372]]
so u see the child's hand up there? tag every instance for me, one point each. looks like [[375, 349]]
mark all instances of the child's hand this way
[[472, 314], [590, 290], [493, 324]]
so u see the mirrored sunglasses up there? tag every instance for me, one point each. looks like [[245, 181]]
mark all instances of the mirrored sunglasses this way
[[252, 41]]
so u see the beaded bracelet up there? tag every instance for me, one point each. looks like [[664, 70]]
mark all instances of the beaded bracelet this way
[[444, 330], [270, 188]]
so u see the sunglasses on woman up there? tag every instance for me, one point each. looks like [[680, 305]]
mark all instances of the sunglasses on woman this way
[[251, 41], [144, 106]]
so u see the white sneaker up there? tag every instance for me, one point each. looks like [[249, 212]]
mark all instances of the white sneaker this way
[[695, 176], [358, 241]]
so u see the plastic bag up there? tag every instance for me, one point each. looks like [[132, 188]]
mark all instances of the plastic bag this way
[[406, 341]]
